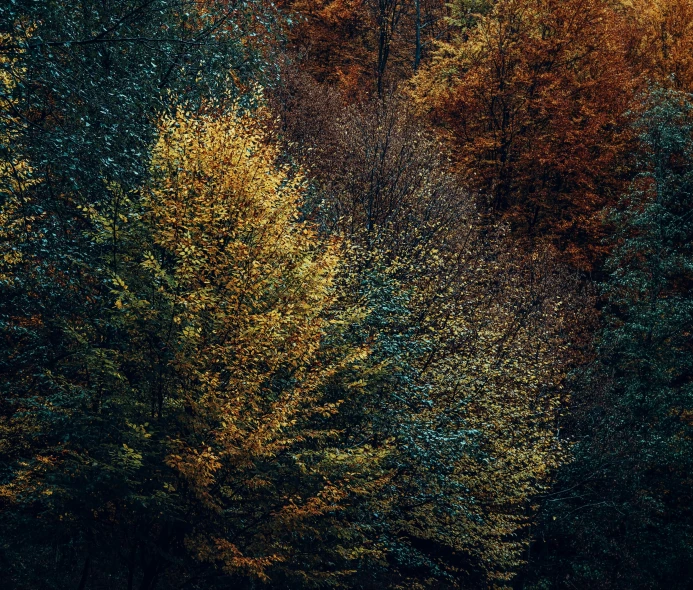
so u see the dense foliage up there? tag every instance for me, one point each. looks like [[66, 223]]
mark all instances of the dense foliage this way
[[621, 517], [346, 294]]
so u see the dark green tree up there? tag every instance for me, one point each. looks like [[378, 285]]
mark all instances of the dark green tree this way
[[621, 515]]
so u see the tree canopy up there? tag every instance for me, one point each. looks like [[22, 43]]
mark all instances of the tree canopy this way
[[345, 294]]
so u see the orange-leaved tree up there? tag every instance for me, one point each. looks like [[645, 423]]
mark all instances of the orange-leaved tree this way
[[531, 95], [363, 46], [660, 34]]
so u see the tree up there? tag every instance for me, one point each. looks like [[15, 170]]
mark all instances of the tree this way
[[363, 47], [621, 516], [82, 89], [530, 96], [661, 41], [468, 345], [95, 78], [177, 433]]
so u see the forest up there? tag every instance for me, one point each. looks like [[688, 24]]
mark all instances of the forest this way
[[359, 294]]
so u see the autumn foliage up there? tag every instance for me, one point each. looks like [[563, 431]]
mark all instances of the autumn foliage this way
[[213, 366], [532, 98], [363, 47], [346, 294], [661, 40], [473, 381]]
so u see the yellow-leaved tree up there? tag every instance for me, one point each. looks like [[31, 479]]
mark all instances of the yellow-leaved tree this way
[[244, 289], [182, 434]]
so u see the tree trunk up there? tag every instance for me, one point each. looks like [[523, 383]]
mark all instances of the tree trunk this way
[[85, 574], [417, 50]]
